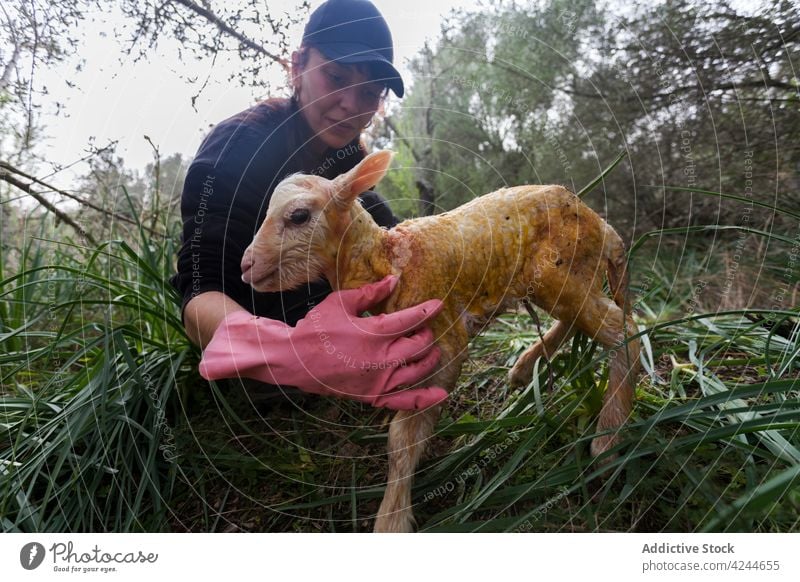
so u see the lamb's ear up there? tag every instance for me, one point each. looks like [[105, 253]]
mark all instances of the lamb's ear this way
[[364, 176]]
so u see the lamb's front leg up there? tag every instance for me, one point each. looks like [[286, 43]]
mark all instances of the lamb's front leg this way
[[408, 435]]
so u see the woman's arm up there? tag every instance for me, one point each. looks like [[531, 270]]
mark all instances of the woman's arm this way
[[203, 314]]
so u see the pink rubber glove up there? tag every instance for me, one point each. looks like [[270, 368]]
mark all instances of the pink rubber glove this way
[[333, 351]]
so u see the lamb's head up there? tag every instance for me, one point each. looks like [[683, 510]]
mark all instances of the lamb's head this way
[[306, 220]]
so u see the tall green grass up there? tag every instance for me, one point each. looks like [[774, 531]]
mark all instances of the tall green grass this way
[[92, 353]]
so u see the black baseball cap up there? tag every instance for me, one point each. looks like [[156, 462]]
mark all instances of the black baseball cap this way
[[351, 32]]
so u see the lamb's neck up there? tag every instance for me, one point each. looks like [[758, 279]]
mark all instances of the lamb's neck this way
[[363, 255]]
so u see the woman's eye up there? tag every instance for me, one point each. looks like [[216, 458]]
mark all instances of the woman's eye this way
[[299, 216], [371, 95], [336, 79]]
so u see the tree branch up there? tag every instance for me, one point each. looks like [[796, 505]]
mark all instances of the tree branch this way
[[7, 177], [390, 124], [222, 26], [6, 171]]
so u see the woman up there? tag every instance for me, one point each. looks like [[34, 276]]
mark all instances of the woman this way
[[340, 74]]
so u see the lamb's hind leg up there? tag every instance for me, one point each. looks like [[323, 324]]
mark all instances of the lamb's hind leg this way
[[408, 435], [602, 319], [522, 371]]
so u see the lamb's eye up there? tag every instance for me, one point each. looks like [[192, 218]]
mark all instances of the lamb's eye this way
[[299, 216]]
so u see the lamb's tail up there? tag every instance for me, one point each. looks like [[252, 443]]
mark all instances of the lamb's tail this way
[[617, 268]]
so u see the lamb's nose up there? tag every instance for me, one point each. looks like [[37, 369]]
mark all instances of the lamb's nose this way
[[247, 265]]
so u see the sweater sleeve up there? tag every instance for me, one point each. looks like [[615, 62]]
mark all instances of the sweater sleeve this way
[[219, 221]]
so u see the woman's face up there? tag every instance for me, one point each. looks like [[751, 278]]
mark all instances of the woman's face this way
[[336, 100]]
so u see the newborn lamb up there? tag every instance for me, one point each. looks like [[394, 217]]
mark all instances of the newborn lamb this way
[[527, 243]]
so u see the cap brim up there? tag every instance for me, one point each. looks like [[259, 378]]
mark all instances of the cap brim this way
[[354, 53]]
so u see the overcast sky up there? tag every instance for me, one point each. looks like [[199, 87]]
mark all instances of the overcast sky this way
[[127, 100]]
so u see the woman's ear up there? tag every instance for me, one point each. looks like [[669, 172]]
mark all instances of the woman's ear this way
[[364, 176], [299, 58]]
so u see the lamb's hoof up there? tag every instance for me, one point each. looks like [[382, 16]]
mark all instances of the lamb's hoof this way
[[396, 522], [520, 375]]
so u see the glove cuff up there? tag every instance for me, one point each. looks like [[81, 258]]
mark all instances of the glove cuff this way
[[248, 346]]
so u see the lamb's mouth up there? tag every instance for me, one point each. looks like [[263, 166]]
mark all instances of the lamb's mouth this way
[[266, 282]]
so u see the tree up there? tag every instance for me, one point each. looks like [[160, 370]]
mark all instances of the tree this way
[[35, 35], [696, 95], [700, 95], [478, 114]]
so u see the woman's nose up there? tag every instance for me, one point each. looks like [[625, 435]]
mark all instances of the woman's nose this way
[[348, 100]]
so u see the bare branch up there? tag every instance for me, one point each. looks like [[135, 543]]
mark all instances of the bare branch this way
[[393, 127], [6, 171], [7, 177], [222, 26]]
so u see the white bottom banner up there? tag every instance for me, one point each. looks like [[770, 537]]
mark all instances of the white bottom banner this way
[[422, 557]]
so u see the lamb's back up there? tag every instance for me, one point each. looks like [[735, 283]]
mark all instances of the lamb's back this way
[[473, 256]]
